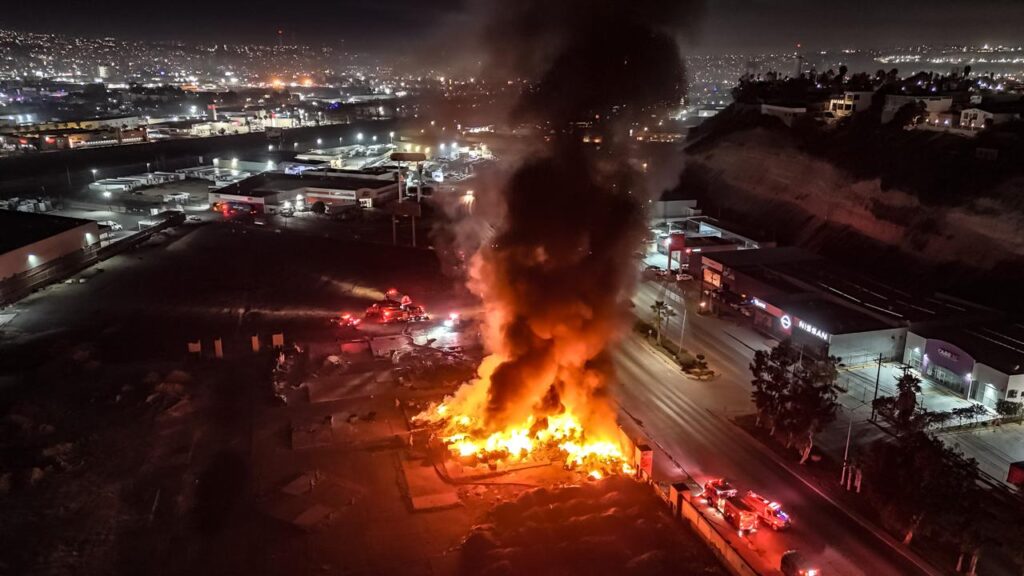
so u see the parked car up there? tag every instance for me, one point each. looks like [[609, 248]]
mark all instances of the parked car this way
[[794, 564]]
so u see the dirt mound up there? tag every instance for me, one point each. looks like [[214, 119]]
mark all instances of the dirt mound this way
[[615, 526]]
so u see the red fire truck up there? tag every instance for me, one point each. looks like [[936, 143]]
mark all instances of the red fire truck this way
[[388, 311], [739, 514], [769, 512], [716, 491]]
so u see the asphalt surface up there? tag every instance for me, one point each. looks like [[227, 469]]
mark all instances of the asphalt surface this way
[[689, 421]]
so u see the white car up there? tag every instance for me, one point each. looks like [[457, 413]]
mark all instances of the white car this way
[[114, 226]]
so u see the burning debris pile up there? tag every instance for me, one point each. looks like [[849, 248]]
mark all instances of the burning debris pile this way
[[555, 278]]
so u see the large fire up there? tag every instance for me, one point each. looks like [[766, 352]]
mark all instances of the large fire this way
[[555, 435], [552, 298]]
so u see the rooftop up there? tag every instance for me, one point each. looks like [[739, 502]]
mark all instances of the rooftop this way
[[999, 345], [795, 271], [829, 315], [271, 182], [763, 257], [23, 228]]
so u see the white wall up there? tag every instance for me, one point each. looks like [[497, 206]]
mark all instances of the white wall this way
[[38, 253], [1016, 382]]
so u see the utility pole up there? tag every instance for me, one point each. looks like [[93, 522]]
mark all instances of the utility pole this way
[[682, 331], [413, 231], [878, 377], [846, 453]]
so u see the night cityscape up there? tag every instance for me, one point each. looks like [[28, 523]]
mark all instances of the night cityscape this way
[[465, 288]]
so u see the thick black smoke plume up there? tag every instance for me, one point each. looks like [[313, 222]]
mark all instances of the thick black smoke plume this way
[[558, 272]]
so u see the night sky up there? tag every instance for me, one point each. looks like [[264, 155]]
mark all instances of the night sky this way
[[397, 25]]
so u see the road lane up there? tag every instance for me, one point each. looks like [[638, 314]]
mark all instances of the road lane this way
[[683, 416]]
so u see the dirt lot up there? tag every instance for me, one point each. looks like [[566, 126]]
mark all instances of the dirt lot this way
[[121, 454]]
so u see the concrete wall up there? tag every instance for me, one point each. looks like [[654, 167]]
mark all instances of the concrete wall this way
[[28, 257], [913, 341], [984, 375], [726, 553], [1015, 383]]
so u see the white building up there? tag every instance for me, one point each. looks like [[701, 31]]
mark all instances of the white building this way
[[850, 103], [32, 240], [983, 363], [788, 114], [982, 116], [934, 106]]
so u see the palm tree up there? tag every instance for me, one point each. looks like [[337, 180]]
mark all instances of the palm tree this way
[[662, 313]]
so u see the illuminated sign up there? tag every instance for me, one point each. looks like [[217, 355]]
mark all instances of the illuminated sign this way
[[811, 329], [786, 322], [948, 354], [759, 304]]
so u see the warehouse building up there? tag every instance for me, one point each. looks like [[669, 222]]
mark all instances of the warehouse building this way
[[791, 293], [30, 241], [982, 362], [271, 192]]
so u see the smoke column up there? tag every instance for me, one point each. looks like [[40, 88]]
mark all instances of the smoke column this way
[[557, 274]]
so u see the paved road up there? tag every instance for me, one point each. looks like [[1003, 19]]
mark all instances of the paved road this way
[[688, 420]]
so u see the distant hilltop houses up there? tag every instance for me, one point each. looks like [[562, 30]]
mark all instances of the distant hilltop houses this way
[[959, 102]]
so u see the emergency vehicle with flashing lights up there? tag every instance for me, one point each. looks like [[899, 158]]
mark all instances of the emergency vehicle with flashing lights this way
[[389, 311], [717, 490], [769, 512], [739, 514]]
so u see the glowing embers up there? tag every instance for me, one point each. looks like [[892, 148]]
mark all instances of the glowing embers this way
[[556, 437]]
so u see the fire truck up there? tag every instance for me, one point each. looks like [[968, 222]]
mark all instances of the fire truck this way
[[769, 512], [389, 311], [736, 512], [716, 491]]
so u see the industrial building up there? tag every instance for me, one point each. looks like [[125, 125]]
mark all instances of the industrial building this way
[[31, 240], [983, 362], [792, 293], [272, 192]]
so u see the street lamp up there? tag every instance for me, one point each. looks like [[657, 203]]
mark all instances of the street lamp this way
[[319, 141], [147, 166], [391, 136], [359, 137], [340, 139], [374, 137], [93, 170]]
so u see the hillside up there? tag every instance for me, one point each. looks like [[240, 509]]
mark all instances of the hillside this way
[[764, 176]]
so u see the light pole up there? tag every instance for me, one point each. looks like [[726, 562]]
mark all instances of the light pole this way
[[682, 331], [93, 170], [147, 167], [391, 137], [846, 453]]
